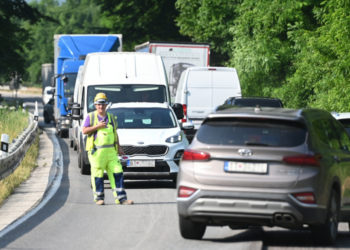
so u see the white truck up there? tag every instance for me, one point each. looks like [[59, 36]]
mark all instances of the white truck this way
[[177, 57]]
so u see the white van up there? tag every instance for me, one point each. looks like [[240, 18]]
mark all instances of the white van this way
[[124, 77], [202, 89]]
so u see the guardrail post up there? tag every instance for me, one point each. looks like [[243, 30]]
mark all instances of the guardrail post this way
[[5, 138], [36, 112]]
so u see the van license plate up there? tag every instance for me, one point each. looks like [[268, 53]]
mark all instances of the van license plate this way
[[140, 163], [245, 167]]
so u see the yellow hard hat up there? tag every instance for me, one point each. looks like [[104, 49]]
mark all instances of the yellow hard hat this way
[[100, 98]]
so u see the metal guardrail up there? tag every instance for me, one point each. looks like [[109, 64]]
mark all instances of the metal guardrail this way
[[18, 148]]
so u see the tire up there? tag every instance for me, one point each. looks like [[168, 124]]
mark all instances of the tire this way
[[327, 232], [71, 143], [84, 168], [46, 117], [64, 134], [191, 230]]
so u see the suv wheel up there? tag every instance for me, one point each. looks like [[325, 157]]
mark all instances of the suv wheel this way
[[84, 168], [190, 229], [327, 233]]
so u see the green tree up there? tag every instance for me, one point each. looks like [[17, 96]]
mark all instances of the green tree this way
[[322, 68], [140, 20], [70, 17], [11, 34], [209, 21], [262, 50]]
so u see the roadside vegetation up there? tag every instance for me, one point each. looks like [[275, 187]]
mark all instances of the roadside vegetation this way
[[13, 122], [22, 172]]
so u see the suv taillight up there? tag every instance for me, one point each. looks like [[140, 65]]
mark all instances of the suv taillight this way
[[306, 197], [312, 160], [184, 107], [185, 192], [193, 155]]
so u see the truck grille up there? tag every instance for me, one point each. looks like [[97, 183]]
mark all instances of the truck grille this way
[[145, 150]]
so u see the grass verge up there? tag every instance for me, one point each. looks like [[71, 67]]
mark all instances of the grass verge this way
[[22, 172], [13, 122]]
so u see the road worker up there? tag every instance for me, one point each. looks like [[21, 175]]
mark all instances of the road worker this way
[[103, 148]]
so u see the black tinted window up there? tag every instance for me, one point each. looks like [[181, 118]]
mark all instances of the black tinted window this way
[[346, 124], [326, 133], [255, 102], [253, 132]]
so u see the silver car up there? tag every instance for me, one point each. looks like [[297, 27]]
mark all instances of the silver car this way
[[266, 167]]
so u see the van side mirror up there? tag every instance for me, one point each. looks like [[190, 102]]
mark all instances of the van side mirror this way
[[52, 81], [179, 111], [69, 103], [65, 79], [76, 111]]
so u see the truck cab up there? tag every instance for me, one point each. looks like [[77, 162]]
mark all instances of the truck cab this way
[[70, 52]]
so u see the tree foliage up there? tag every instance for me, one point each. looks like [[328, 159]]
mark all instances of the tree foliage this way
[[11, 32], [209, 21], [322, 67], [262, 50], [141, 20], [297, 50], [70, 17]]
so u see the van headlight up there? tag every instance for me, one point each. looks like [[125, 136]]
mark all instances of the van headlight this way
[[175, 138]]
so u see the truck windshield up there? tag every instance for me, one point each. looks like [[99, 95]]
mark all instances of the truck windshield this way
[[127, 93], [69, 86]]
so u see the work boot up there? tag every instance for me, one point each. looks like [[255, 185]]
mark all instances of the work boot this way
[[127, 202], [100, 202]]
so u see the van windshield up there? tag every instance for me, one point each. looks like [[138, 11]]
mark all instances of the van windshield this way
[[117, 93]]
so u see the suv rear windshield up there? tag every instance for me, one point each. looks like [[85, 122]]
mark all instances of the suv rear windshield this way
[[252, 132], [261, 102]]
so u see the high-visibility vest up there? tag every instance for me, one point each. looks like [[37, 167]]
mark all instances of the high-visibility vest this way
[[93, 122]]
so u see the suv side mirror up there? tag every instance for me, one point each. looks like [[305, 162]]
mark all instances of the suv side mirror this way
[[76, 111], [187, 126], [179, 111]]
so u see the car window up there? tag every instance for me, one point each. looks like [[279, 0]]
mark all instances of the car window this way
[[254, 132], [326, 133], [346, 124], [343, 135], [144, 118]]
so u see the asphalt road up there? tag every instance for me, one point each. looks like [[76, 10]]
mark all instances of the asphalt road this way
[[71, 220]]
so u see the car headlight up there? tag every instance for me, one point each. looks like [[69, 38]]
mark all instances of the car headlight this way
[[175, 138]]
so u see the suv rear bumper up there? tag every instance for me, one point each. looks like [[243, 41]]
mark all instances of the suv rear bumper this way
[[234, 211]]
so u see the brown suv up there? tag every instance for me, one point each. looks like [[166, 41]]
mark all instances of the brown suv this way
[[266, 167]]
